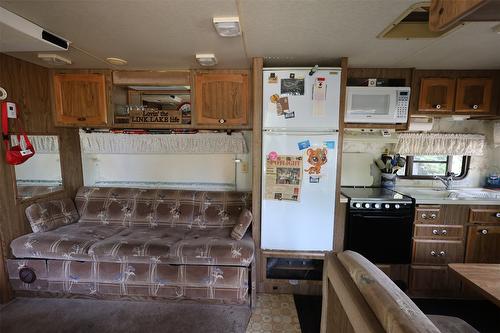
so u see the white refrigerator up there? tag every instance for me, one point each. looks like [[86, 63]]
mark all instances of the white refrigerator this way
[[299, 162]]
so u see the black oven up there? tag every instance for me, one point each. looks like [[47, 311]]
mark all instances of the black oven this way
[[380, 231]]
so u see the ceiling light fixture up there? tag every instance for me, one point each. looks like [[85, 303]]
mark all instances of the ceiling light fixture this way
[[54, 59], [227, 26], [116, 61], [206, 59]]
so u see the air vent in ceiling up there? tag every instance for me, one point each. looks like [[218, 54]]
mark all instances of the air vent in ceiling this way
[[412, 24]]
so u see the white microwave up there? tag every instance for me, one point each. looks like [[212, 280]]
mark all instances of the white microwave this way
[[384, 105]]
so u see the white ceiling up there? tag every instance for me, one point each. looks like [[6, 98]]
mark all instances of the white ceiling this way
[[161, 34]]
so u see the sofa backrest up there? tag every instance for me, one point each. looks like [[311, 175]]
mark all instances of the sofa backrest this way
[[160, 207], [394, 310]]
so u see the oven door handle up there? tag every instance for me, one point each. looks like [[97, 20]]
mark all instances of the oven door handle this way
[[404, 218]]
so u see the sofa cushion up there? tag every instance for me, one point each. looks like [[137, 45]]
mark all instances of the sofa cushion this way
[[49, 215], [241, 227], [68, 242], [161, 207], [175, 246]]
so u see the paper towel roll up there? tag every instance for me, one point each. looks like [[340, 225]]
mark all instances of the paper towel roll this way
[[420, 124]]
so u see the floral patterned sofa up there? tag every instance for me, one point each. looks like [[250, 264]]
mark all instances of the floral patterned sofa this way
[[138, 242]]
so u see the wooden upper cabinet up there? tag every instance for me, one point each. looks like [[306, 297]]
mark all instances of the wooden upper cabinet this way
[[222, 99], [473, 95], [80, 99], [483, 244], [436, 95]]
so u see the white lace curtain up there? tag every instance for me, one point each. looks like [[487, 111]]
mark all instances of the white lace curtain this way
[[440, 144], [200, 143], [43, 144]]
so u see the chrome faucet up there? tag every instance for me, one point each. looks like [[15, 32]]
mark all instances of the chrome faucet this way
[[447, 180]]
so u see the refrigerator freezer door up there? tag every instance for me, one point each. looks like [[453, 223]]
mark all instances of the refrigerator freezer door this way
[[294, 100], [306, 224]]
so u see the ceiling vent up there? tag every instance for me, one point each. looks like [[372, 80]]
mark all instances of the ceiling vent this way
[[21, 35], [413, 24]]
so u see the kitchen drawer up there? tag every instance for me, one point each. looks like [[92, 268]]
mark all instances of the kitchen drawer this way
[[430, 252], [484, 215], [429, 281], [427, 215], [439, 232]]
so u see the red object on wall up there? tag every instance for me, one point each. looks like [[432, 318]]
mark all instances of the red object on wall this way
[[16, 154]]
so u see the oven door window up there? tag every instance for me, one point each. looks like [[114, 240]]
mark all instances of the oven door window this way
[[381, 239]]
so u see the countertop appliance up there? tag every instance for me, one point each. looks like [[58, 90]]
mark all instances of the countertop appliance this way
[[379, 224], [384, 105], [299, 162]]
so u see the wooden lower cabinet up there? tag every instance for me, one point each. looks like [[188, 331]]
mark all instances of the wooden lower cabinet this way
[[483, 244], [433, 281]]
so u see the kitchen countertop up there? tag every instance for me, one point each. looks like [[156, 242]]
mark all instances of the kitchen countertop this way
[[459, 196]]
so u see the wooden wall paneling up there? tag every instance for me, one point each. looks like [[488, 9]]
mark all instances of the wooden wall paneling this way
[[29, 86], [339, 223], [381, 73], [257, 65]]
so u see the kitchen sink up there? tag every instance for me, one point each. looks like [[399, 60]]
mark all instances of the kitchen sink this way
[[455, 194]]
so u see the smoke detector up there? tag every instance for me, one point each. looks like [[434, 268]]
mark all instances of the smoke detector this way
[[206, 59], [227, 26], [54, 59]]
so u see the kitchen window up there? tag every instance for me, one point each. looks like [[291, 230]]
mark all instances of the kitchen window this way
[[428, 166]]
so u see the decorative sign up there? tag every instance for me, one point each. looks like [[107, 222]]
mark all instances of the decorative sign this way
[[153, 116]]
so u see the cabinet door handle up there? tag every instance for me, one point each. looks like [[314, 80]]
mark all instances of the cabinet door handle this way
[[81, 118], [222, 121], [475, 106], [437, 106], [484, 231]]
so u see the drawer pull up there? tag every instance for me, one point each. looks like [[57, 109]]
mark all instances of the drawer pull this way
[[222, 121], [484, 231], [444, 232], [431, 217], [497, 215], [475, 106], [437, 106], [435, 232], [81, 119], [438, 254]]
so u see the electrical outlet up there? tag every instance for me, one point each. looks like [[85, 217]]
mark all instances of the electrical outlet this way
[[244, 167]]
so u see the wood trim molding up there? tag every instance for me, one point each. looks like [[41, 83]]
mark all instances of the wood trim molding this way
[[257, 65], [152, 78]]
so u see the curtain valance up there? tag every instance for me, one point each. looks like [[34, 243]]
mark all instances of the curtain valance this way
[[199, 143], [440, 144]]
